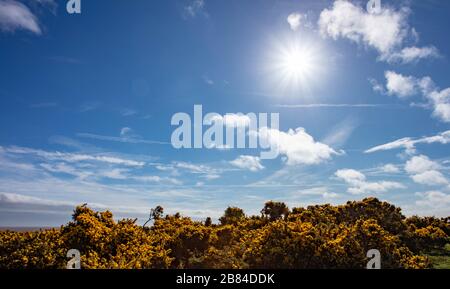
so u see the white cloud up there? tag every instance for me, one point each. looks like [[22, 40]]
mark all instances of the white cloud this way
[[128, 138], [420, 164], [295, 20], [376, 86], [66, 169], [430, 178], [358, 184], [441, 101], [125, 131], [383, 31], [49, 212], [328, 195], [211, 177], [405, 86], [375, 187], [156, 179], [297, 145], [11, 165], [250, 163], [15, 15], [399, 85], [208, 80], [409, 143], [11, 198], [436, 200], [316, 191], [425, 171], [414, 54], [138, 190], [115, 174], [350, 176], [128, 112], [192, 167], [194, 8], [330, 105], [386, 31], [89, 106], [390, 168], [207, 172], [73, 157]]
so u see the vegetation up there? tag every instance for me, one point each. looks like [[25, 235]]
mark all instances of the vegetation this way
[[321, 236]]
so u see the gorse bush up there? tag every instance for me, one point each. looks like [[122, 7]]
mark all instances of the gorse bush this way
[[321, 236]]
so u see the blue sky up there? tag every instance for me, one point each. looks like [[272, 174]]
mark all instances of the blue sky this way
[[86, 102]]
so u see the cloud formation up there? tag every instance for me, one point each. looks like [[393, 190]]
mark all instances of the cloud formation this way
[[359, 185], [124, 137], [250, 163], [295, 20], [387, 32], [436, 200], [424, 171], [298, 146], [404, 86], [390, 168], [409, 143], [194, 8], [414, 54], [16, 16], [72, 157], [399, 85]]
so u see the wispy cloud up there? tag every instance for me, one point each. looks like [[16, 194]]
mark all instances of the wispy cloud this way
[[43, 105], [16, 16], [195, 8], [359, 185], [123, 139], [409, 143], [335, 105], [89, 106], [250, 163], [436, 201], [128, 112], [72, 157], [204, 171], [341, 132], [8, 198], [207, 80], [414, 54], [323, 192], [390, 168]]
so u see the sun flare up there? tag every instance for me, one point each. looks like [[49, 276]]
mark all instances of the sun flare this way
[[296, 65]]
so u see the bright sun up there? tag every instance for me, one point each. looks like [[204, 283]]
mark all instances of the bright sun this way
[[297, 63], [296, 66]]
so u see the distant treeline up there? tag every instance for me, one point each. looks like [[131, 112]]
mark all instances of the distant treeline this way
[[321, 236]]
